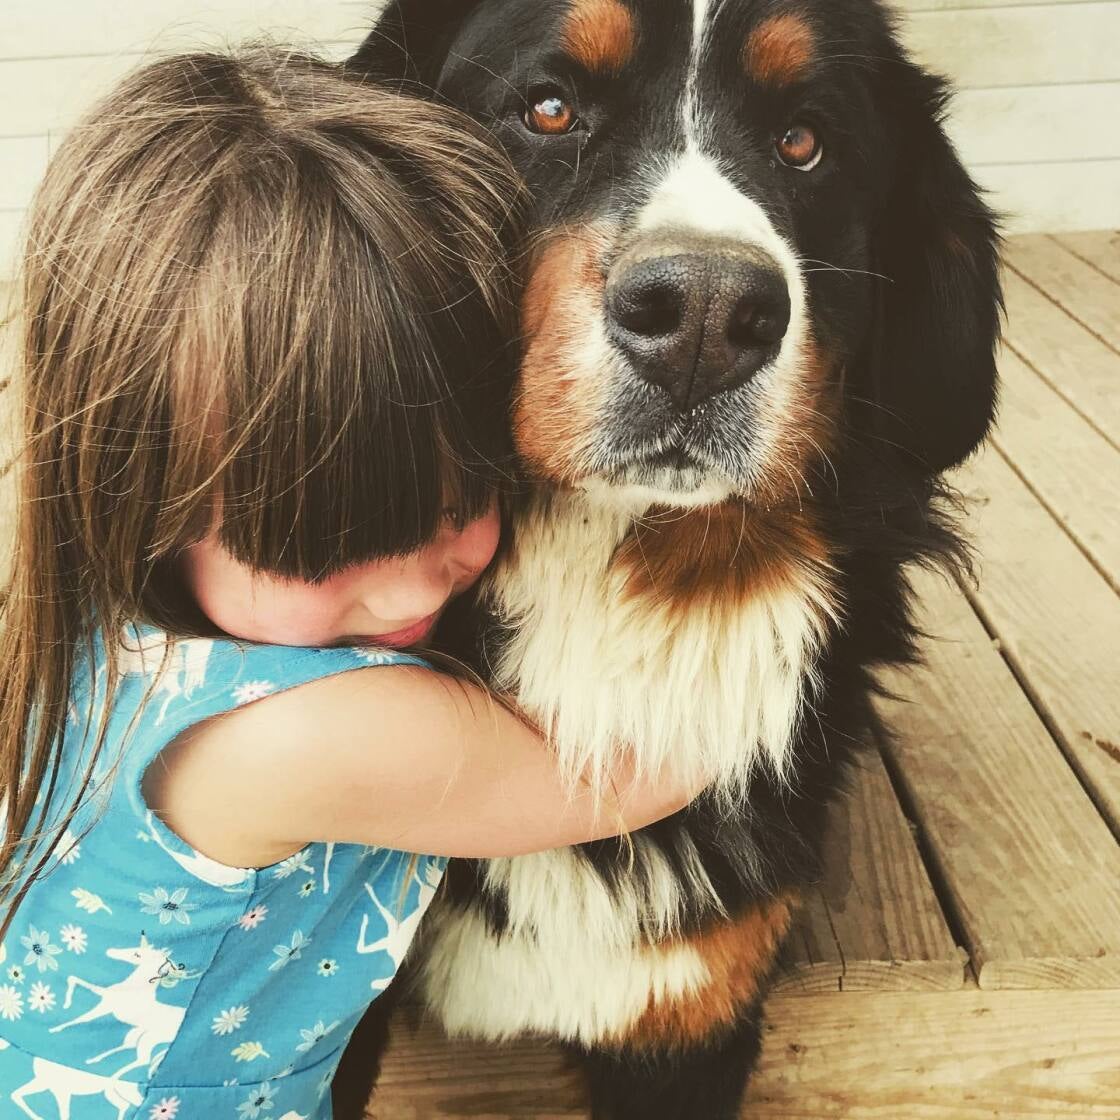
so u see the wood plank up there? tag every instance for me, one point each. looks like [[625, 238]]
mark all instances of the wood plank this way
[[11, 233], [1072, 360], [1032, 44], [22, 163], [1070, 467], [905, 6], [1004, 816], [1100, 248], [41, 95], [967, 1055], [8, 403], [1086, 295], [53, 28], [874, 924], [426, 1076], [1074, 195], [1056, 619], [1029, 124]]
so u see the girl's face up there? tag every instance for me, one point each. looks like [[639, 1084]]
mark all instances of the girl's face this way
[[394, 603]]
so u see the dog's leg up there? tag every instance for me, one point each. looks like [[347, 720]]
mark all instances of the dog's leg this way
[[690, 1055], [357, 1074], [705, 1082]]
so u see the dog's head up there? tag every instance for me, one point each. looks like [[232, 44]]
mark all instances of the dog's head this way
[[754, 243]]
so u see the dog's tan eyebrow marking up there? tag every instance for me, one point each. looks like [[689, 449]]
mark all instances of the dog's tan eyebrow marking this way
[[780, 50], [599, 34]]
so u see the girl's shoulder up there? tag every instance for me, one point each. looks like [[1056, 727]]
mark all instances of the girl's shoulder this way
[[164, 685], [169, 682]]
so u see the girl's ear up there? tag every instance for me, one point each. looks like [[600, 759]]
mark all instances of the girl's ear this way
[[933, 376], [409, 43]]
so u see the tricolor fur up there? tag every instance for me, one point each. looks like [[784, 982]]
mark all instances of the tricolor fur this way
[[759, 322]]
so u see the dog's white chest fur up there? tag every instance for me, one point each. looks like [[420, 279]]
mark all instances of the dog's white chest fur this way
[[717, 687]]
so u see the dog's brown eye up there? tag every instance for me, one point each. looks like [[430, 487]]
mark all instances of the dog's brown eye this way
[[551, 115], [800, 147]]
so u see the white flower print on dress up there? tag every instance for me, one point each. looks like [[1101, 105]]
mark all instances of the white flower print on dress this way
[[168, 907], [226, 1022], [294, 863], [307, 888], [292, 952], [74, 938], [167, 1109], [16, 974], [328, 967], [253, 690], [40, 951], [314, 1036], [68, 850], [253, 918], [11, 1002], [260, 1098], [41, 998]]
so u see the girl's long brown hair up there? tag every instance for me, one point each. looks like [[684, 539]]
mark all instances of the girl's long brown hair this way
[[255, 291]]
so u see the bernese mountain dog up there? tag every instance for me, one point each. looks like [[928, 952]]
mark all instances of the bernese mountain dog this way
[[760, 317]]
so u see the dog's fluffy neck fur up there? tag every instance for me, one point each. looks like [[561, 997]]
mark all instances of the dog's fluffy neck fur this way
[[711, 688]]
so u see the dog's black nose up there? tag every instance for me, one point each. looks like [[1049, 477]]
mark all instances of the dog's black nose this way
[[698, 324]]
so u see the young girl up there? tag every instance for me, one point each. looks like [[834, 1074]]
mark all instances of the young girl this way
[[264, 308]]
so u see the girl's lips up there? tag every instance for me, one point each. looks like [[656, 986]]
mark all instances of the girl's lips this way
[[399, 639]]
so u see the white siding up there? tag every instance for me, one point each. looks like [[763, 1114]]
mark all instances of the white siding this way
[[56, 56], [1037, 104], [1035, 117]]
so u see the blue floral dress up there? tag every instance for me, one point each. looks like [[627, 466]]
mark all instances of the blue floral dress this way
[[141, 980]]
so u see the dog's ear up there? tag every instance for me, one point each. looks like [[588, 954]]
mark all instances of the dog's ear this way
[[409, 42], [933, 391]]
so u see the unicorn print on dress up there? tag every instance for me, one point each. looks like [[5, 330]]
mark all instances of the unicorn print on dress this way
[[399, 932], [64, 1083], [199, 866], [177, 666], [133, 1002]]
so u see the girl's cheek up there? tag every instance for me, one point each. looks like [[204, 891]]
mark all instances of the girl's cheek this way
[[479, 540]]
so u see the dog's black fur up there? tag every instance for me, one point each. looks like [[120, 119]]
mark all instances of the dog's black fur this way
[[900, 261]]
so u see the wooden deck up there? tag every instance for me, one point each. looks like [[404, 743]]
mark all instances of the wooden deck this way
[[962, 959]]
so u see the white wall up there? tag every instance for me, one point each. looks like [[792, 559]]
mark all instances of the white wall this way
[[56, 56], [1036, 116], [1037, 113]]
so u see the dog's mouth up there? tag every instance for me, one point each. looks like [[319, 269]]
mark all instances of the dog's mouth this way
[[676, 473]]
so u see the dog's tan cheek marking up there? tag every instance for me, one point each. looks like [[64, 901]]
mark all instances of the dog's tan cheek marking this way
[[780, 51], [559, 394], [728, 554], [599, 34], [739, 956]]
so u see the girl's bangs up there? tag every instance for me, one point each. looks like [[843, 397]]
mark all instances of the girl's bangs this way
[[372, 497], [384, 375]]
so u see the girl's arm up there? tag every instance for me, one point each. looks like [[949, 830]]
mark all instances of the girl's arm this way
[[396, 757]]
